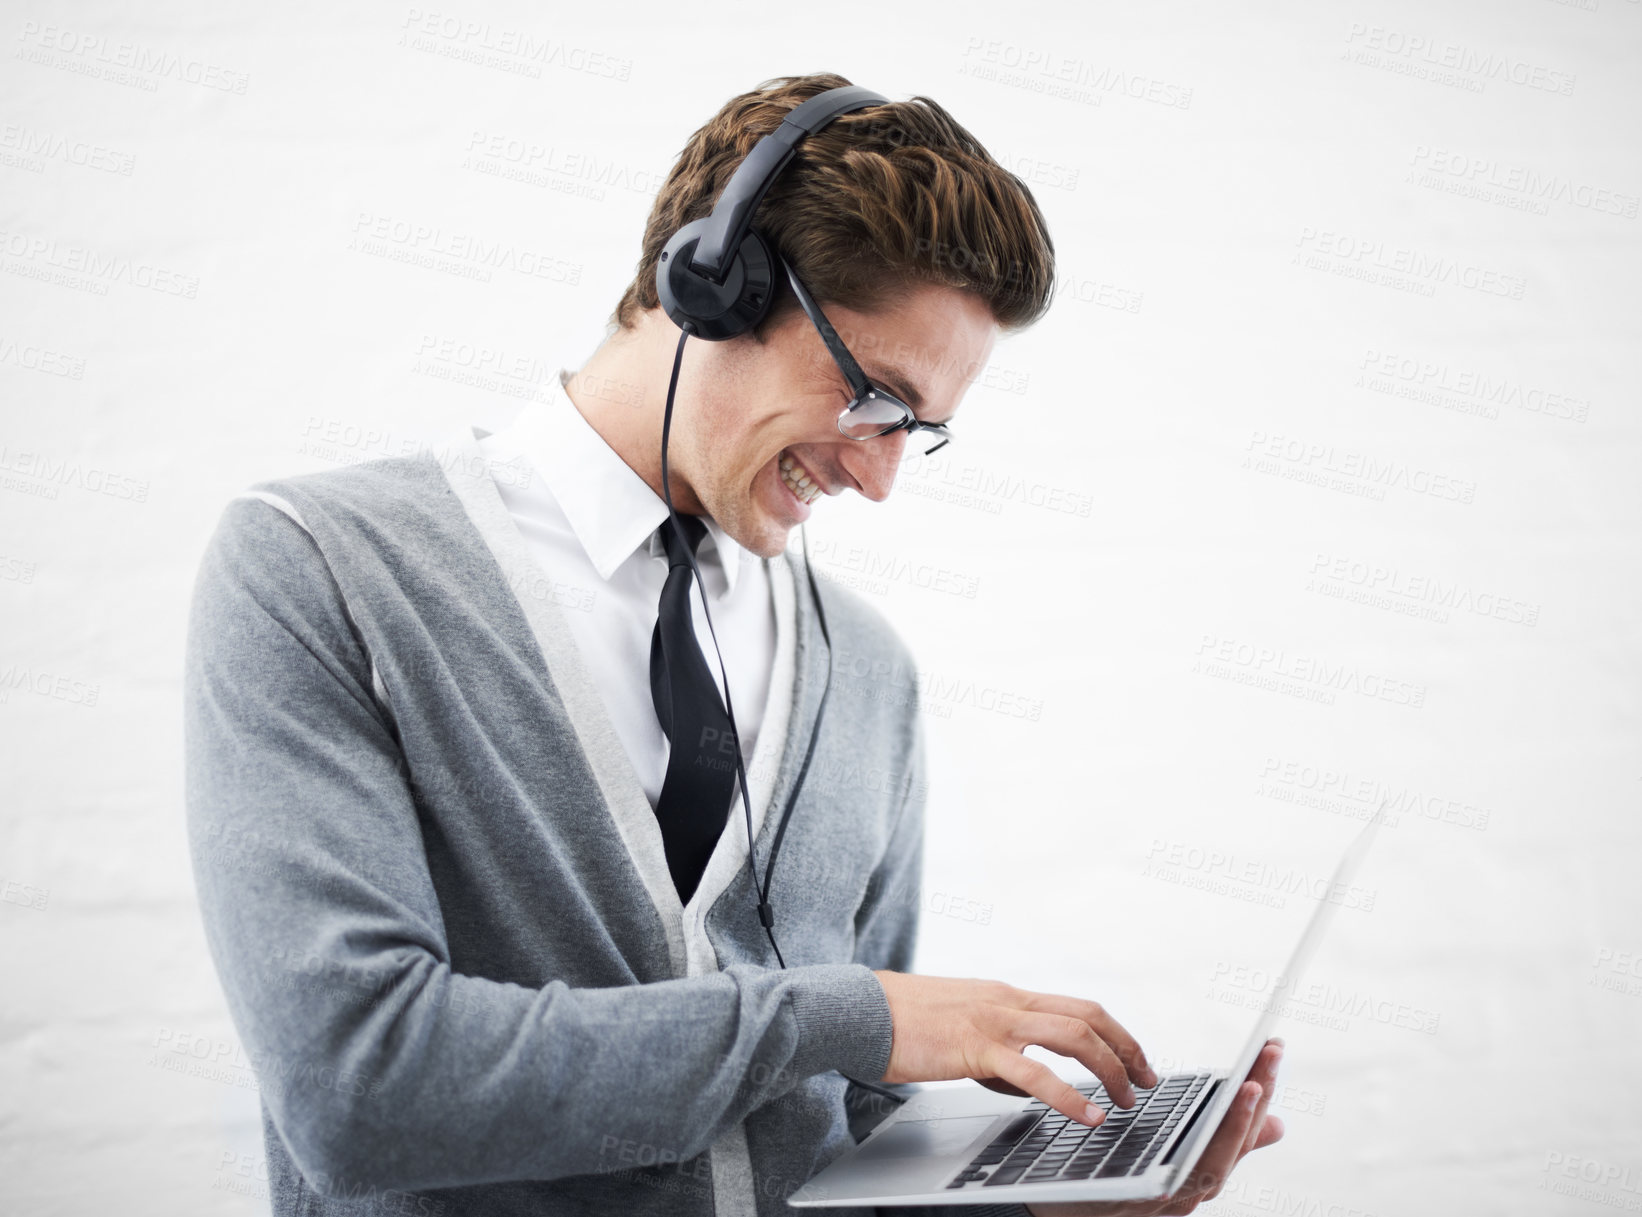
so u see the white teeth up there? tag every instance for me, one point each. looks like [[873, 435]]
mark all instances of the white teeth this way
[[800, 483]]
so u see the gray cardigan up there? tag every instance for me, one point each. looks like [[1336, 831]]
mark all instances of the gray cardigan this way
[[436, 894]]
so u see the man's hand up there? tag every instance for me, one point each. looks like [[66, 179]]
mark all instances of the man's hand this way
[[1246, 1127], [947, 1028]]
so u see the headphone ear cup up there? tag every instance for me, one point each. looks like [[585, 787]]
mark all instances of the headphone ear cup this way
[[715, 311]]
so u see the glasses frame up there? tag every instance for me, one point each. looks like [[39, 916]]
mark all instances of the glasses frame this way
[[861, 389]]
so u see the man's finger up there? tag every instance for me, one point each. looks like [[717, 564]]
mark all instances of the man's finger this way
[[1271, 1133], [1264, 1072], [1071, 1036], [1266, 1132], [1225, 1146], [1040, 1081], [1108, 1028]]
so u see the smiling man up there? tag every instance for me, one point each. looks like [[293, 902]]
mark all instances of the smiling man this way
[[755, 440], [482, 918]]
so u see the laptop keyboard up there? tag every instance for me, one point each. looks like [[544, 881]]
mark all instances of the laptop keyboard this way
[[1041, 1145]]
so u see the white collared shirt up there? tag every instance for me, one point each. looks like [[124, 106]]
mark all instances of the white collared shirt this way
[[589, 521]]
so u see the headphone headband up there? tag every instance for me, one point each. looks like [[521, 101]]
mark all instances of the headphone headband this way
[[716, 273], [733, 213]]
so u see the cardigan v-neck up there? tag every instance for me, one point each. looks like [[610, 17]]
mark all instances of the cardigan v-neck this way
[[690, 951], [590, 521]]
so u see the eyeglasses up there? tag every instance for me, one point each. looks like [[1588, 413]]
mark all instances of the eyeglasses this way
[[873, 409]]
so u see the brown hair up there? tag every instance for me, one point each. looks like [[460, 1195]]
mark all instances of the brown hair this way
[[878, 201]]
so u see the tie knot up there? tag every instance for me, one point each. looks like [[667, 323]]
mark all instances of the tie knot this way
[[694, 529]]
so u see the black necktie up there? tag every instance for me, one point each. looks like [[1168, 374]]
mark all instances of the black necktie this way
[[695, 794]]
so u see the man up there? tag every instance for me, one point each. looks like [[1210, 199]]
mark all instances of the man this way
[[486, 957]]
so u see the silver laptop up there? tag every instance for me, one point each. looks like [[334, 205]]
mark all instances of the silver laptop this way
[[971, 1145]]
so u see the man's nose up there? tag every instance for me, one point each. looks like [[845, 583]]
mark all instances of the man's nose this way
[[874, 462]]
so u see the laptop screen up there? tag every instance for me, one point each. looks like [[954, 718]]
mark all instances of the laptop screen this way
[[1202, 1129]]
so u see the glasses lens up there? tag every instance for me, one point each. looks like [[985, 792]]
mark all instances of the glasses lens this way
[[873, 416]]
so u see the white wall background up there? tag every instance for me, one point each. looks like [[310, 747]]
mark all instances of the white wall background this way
[[1319, 482]]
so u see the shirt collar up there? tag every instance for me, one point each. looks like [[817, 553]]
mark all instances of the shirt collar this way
[[610, 508]]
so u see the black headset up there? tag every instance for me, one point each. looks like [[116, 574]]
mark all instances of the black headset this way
[[716, 275], [716, 278]]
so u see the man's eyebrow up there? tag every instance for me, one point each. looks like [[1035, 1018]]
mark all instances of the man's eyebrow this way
[[897, 381]]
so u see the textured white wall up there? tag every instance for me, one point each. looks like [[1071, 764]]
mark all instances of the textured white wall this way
[[1318, 482]]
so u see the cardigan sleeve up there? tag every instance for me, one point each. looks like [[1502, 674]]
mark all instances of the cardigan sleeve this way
[[886, 934], [378, 1063]]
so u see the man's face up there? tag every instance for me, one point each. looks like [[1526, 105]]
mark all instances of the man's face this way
[[767, 416]]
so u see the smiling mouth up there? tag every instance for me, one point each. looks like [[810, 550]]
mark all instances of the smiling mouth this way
[[804, 488]]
